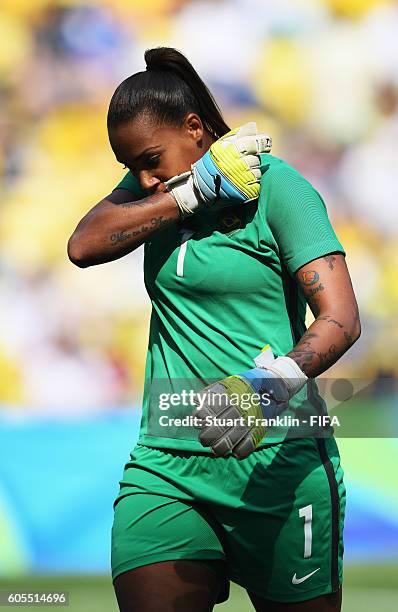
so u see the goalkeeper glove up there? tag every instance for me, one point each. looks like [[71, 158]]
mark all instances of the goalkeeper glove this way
[[247, 399], [229, 170]]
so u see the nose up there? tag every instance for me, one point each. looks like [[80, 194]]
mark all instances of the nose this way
[[148, 181]]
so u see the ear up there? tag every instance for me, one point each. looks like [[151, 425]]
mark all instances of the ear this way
[[194, 127]]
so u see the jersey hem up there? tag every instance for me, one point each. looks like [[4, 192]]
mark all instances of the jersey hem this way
[[191, 445], [169, 556], [314, 252]]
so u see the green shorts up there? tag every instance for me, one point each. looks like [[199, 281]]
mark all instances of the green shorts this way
[[274, 520]]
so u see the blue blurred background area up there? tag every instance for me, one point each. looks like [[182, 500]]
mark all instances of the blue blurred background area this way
[[59, 478], [321, 77]]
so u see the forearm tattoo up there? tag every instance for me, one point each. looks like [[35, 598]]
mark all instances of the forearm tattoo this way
[[155, 223], [310, 356], [330, 320], [303, 353], [321, 346], [131, 204]]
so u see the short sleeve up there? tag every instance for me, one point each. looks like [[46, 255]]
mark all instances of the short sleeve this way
[[296, 215], [131, 183]]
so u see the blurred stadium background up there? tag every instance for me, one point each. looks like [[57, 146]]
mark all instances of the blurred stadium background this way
[[322, 77]]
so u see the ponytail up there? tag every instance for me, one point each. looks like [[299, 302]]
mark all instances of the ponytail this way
[[168, 90]]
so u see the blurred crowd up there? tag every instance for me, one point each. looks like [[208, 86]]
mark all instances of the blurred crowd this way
[[321, 76]]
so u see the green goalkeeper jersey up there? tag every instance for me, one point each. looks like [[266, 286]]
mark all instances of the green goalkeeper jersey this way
[[222, 286]]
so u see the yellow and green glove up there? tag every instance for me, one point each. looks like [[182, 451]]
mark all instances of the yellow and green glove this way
[[228, 172], [230, 412]]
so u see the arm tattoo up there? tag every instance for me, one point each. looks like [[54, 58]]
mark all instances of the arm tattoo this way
[[303, 353], [131, 204], [348, 337], [330, 259], [328, 358], [311, 297], [312, 292], [309, 359], [309, 278], [330, 320], [316, 352], [118, 237]]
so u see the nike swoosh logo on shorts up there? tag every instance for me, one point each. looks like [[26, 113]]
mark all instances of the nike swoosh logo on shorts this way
[[296, 580]]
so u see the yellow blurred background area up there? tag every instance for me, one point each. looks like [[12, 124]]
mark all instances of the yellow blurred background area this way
[[321, 77]]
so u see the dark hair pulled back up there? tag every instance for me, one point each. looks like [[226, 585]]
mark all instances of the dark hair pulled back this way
[[168, 90]]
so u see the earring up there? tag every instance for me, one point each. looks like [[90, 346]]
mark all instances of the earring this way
[[199, 143]]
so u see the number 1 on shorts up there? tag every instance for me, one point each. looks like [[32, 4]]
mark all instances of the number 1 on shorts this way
[[306, 514]]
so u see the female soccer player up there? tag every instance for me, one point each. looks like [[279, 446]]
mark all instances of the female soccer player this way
[[227, 272]]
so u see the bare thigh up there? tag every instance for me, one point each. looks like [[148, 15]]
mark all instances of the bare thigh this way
[[169, 586], [325, 603]]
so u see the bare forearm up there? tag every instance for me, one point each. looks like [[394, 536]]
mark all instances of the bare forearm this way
[[325, 341], [113, 229]]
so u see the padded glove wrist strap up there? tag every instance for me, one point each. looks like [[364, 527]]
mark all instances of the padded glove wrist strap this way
[[287, 368], [184, 192]]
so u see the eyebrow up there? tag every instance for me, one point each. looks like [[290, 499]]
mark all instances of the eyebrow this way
[[144, 152]]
